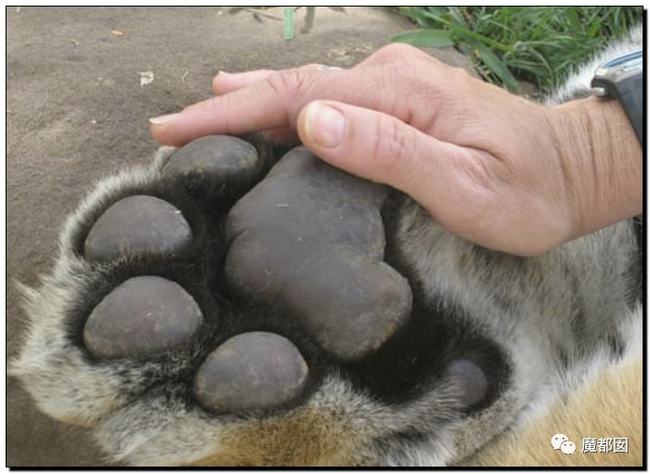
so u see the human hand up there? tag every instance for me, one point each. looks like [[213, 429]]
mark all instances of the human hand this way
[[489, 166]]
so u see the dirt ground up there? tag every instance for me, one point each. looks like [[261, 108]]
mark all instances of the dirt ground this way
[[77, 111]]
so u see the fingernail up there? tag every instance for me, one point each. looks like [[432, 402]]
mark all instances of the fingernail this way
[[324, 125], [222, 73], [163, 119]]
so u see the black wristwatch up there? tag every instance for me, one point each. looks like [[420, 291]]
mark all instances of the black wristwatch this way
[[621, 78]]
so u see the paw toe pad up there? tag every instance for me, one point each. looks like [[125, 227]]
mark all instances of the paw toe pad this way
[[143, 316], [250, 371], [137, 224], [220, 157]]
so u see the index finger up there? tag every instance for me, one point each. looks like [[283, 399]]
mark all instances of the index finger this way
[[271, 103]]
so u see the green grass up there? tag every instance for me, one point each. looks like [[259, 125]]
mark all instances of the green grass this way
[[540, 45]]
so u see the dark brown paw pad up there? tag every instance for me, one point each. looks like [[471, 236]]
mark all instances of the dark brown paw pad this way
[[137, 225], [143, 316], [221, 157], [253, 370], [312, 238]]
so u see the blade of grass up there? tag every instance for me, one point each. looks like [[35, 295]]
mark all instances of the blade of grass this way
[[425, 38], [479, 37], [288, 22], [497, 67]]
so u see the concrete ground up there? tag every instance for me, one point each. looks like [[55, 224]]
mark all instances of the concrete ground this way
[[77, 111]]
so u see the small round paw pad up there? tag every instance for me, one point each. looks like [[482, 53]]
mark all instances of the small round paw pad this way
[[249, 371], [143, 316], [137, 224]]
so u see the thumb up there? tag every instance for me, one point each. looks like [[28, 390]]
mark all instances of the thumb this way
[[381, 148]]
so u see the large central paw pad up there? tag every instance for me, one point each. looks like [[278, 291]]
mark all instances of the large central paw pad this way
[[326, 266]]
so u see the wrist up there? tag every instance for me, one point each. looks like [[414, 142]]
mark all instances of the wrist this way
[[601, 160]]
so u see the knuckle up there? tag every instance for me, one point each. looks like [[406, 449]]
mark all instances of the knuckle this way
[[398, 52], [391, 84], [286, 83]]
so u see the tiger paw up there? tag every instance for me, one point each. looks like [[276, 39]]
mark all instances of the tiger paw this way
[[206, 310]]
